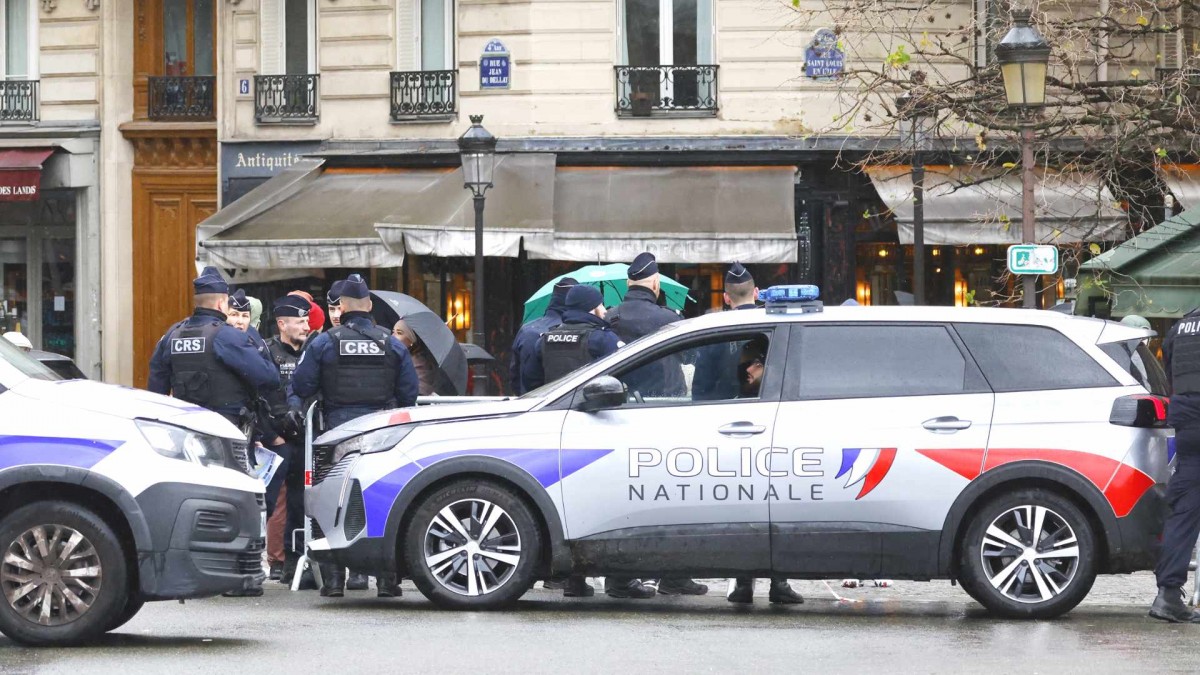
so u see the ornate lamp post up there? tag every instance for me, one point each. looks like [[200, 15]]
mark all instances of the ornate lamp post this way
[[478, 149], [1023, 55]]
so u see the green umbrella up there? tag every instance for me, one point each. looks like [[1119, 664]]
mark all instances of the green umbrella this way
[[612, 282]]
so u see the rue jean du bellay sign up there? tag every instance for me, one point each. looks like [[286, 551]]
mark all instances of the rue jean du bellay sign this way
[[495, 66]]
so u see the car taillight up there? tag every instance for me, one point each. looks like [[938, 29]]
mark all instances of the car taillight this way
[[1139, 410]]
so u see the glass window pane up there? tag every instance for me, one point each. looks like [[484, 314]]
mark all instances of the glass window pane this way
[[872, 361], [58, 296], [713, 370], [684, 38], [1031, 358], [14, 289], [296, 32], [175, 46], [202, 36], [16, 38], [641, 32], [433, 35]]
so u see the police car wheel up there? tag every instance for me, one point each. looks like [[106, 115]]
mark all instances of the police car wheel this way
[[63, 575], [473, 545], [1029, 555]]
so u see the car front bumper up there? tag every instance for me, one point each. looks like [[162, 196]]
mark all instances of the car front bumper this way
[[206, 541]]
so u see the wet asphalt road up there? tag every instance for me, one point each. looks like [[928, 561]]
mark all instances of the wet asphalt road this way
[[884, 630]]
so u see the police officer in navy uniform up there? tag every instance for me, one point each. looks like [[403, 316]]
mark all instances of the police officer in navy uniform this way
[[1181, 359], [584, 336], [638, 315], [358, 368], [291, 323], [333, 303], [205, 361], [715, 378], [525, 343]]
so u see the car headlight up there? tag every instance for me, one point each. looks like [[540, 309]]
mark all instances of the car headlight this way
[[372, 441], [184, 444]]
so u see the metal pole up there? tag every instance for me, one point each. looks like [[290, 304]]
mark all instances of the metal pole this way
[[918, 178], [477, 326], [1028, 281]]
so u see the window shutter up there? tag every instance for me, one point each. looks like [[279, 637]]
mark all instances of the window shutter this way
[[407, 35], [270, 19]]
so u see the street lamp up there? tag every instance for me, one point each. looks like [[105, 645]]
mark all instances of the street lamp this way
[[914, 113], [1023, 55], [478, 149]]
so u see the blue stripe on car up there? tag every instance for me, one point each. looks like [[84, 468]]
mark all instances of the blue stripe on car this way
[[543, 464], [81, 452]]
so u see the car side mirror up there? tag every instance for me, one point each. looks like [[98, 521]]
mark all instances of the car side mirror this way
[[603, 393]]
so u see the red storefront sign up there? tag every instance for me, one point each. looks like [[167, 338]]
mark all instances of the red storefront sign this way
[[21, 173]]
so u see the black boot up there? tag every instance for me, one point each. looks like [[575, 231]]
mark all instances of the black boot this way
[[578, 587], [387, 585], [782, 593], [681, 587], [742, 591], [334, 579], [276, 571], [621, 587], [552, 585], [289, 568], [357, 581], [1169, 606]]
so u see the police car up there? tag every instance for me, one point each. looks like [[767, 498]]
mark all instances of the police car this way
[[1018, 452], [111, 497]]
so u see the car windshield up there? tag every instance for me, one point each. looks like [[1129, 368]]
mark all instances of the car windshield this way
[[545, 388], [23, 363]]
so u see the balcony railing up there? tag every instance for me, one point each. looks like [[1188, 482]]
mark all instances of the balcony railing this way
[[676, 91], [183, 99], [19, 100], [424, 95], [286, 99]]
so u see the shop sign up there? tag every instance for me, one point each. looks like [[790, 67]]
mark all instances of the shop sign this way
[[824, 58], [1032, 259], [20, 185], [494, 66], [261, 160]]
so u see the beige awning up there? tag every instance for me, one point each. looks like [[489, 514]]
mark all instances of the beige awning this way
[[963, 207], [439, 218], [681, 214], [1183, 180]]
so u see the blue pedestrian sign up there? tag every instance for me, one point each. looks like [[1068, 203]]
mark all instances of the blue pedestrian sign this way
[[495, 66], [1032, 259]]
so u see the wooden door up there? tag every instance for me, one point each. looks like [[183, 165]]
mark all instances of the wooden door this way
[[167, 207]]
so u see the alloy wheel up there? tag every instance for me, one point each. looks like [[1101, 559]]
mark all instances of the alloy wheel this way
[[51, 575], [472, 547], [1030, 554]]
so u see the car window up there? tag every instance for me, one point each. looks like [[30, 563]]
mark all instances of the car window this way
[[1135, 358], [22, 362], [1031, 358], [875, 360], [700, 371]]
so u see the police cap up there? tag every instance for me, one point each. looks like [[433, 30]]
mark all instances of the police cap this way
[[737, 274], [238, 301], [291, 305], [334, 296], [355, 287], [210, 281], [643, 266], [584, 298]]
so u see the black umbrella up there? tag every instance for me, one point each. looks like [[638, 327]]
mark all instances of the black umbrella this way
[[389, 307], [475, 353]]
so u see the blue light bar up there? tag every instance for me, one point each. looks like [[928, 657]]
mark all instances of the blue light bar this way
[[790, 294]]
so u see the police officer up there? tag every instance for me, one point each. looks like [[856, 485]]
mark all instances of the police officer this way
[[358, 368], [1181, 359], [525, 343], [715, 378], [237, 314], [333, 303], [638, 315], [285, 494], [584, 336], [205, 361]]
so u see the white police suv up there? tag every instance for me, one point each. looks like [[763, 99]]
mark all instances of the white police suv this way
[[1019, 452], [111, 497]]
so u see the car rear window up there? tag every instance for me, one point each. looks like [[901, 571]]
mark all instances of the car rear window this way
[[1031, 358], [1135, 358], [874, 360]]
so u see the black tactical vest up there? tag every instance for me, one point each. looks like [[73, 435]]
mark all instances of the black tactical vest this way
[[197, 376], [363, 371], [286, 361], [565, 348], [1185, 356]]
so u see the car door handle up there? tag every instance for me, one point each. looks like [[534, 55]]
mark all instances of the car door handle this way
[[946, 425], [741, 429]]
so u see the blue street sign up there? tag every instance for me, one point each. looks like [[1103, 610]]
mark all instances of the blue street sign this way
[[494, 66]]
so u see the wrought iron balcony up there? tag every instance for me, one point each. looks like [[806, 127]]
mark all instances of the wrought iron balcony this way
[[286, 99], [676, 91], [424, 95], [183, 99], [19, 100]]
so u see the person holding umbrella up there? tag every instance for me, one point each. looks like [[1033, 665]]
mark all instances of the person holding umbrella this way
[[422, 359], [524, 344]]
